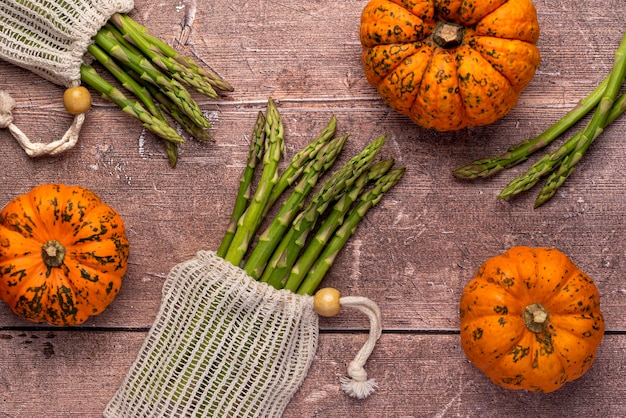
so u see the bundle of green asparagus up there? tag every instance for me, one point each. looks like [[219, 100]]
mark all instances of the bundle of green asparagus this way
[[301, 241], [559, 164], [157, 76]]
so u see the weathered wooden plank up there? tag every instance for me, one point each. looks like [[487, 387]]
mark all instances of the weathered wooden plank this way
[[422, 243], [63, 374], [429, 376], [414, 252]]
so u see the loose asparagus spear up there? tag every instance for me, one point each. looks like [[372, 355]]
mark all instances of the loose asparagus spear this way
[[549, 161], [368, 200], [250, 221], [270, 238], [333, 221], [163, 130], [520, 152], [292, 243], [245, 181], [593, 129], [568, 155]]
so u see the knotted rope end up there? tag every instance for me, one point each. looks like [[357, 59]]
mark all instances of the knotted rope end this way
[[328, 302], [356, 384]]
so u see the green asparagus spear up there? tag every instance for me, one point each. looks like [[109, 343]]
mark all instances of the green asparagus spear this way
[[250, 221], [141, 91], [368, 200], [548, 162], [292, 243], [163, 130], [593, 129], [171, 149], [566, 157], [163, 48], [270, 238], [167, 65], [292, 172], [520, 152], [138, 63], [245, 183], [333, 221], [126, 80], [559, 164], [166, 105], [147, 93]]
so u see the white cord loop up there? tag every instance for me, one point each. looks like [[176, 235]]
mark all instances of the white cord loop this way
[[356, 384], [37, 149]]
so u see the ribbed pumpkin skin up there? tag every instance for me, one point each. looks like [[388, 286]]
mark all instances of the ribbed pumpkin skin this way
[[472, 84], [90, 275], [494, 334]]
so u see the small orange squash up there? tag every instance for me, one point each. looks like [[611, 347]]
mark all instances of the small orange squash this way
[[530, 319], [448, 64], [63, 253]]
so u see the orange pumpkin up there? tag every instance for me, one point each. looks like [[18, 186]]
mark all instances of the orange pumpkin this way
[[448, 64], [63, 253], [530, 319]]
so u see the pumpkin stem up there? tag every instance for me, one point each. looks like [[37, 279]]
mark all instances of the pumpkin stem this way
[[53, 253], [448, 35], [536, 317]]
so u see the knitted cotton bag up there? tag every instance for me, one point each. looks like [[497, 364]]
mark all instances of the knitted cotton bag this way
[[50, 38], [225, 345]]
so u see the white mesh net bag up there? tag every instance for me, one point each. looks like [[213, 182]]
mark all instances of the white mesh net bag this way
[[225, 345], [50, 38]]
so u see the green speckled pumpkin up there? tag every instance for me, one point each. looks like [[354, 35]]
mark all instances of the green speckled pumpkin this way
[[530, 319], [63, 253], [448, 64]]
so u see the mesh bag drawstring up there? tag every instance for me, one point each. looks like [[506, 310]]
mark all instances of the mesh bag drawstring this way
[[50, 38]]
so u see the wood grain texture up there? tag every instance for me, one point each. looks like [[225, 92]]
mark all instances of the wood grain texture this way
[[412, 255], [75, 373]]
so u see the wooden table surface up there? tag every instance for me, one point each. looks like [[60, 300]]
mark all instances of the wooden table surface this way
[[412, 255]]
